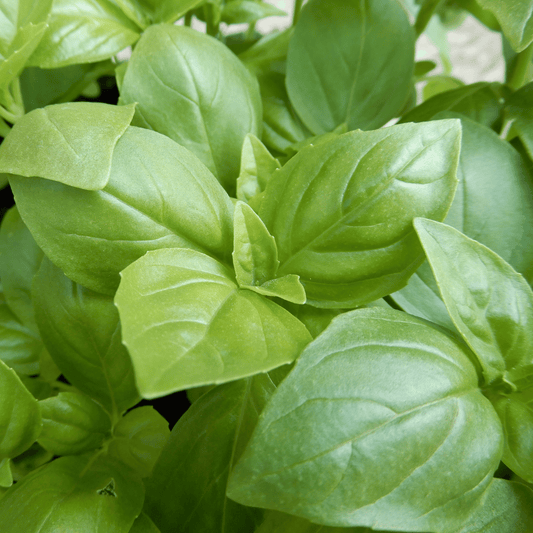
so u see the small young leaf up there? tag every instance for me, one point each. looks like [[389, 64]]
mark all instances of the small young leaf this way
[[138, 439], [70, 143], [72, 424], [186, 323], [358, 72], [248, 11], [489, 302], [341, 211], [383, 425], [287, 287], [203, 447]]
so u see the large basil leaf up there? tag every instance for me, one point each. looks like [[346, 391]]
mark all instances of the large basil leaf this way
[[359, 71], [516, 413], [506, 507], [91, 32], [489, 302], [515, 18], [20, 258], [72, 424], [203, 447], [18, 14], [380, 424], [88, 495], [494, 211], [20, 417], [276, 522], [341, 211], [70, 143], [202, 86], [82, 332], [186, 323], [481, 102], [158, 195]]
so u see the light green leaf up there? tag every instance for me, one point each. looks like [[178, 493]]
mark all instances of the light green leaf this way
[[6, 477], [147, 12], [494, 211], [287, 287], [481, 102], [257, 166], [255, 255], [440, 84], [82, 332], [516, 413], [506, 507], [359, 72], [139, 438], [488, 301], [201, 85], [341, 211], [158, 195], [144, 524], [248, 11], [186, 323], [20, 258], [515, 18], [404, 440], [293, 149], [20, 417], [70, 143], [72, 424], [18, 14], [519, 110], [78, 493], [203, 447], [91, 32]]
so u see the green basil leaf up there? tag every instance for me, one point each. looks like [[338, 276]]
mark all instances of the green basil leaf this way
[[255, 255], [85, 494], [516, 413], [20, 13], [287, 287], [92, 32], [70, 143], [19, 346], [185, 310], [203, 446], [20, 417], [147, 12], [481, 102], [506, 507], [169, 66], [519, 110], [72, 424], [144, 524], [489, 302], [20, 258], [405, 440], [483, 205], [6, 476], [248, 11], [341, 211], [158, 195], [440, 84], [257, 166], [516, 20], [139, 438], [82, 332], [359, 72]]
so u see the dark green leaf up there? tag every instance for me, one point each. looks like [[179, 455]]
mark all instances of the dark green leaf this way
[[519, 110], [202, 85], [82, 331], [358, 72], [143, 524], [341, 211], [186, 323], [383, 425]]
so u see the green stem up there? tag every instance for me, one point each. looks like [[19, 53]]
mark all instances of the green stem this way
[[7, 116], [297, 9], [250, 32], [17, 94], [520, 67], [188, 19], [424, 15], [211, 27]]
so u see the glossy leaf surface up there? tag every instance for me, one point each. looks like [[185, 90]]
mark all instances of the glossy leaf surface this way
[[186, 323], [204, 86], [203, 446], [358, 72], [276, 522], [20, 13], [159, 195], [341, 211], [82, 331], [248, 11], [70, 143], [86, 495], [490, 303], [404, 439]]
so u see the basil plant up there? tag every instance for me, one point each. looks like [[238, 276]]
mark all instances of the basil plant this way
[[263, 283]]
